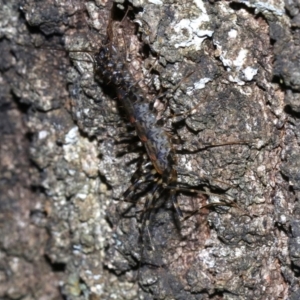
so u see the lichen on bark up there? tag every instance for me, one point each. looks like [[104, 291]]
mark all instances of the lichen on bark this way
[[237, 67]]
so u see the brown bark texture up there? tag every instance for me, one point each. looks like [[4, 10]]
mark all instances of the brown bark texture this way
[[224, 78]]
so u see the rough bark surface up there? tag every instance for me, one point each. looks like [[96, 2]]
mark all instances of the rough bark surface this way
[[65, 231]]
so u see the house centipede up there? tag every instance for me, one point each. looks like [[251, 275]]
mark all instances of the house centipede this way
[[155, 139], [112, 71], [157, 179]]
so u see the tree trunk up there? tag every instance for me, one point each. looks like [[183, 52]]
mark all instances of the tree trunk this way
[[229, 72]]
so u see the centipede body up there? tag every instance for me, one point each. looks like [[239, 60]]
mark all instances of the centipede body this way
[[155, 139]]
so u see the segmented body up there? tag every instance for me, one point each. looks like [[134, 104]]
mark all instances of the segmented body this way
[[156, 140]]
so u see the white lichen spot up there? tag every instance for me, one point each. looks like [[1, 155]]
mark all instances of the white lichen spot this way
[[235, 66], [97, 276], [83, 193], [259, 144], [138, 3], [249, 73], [283, 219], [222, 55], [72, 136], [239, 61], [232, 33], [239, 252], [199, 85], [77, 247], [188, 166], [88, 273], [97, 289], [261, 169], [71, 172], [259, 200], [200, 5], [157, 2], [207, 259], [236, 79], [188, 32], [43, 134], [248, 127]]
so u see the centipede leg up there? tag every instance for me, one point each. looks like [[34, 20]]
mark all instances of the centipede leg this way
[[138, 179], [194, 191], [153, 194], [173, 196], [147, 179]]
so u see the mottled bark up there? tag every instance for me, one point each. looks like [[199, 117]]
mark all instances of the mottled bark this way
[[65, 230]]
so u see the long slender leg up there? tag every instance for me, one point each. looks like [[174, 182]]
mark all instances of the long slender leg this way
[[173, 196], [150, 177], [153, 194], [188, 190]]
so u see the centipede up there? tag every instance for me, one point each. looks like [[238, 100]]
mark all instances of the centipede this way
[[154, 138], [160, 176], [157, 176]]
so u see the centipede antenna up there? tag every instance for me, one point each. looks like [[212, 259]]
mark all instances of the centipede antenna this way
[[126, 13], [248, 143]]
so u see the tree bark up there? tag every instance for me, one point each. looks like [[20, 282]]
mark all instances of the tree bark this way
[[229, 69]]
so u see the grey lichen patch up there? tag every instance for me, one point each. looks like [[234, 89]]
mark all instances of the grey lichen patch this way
[[238, 48], [286, 41], [172, 30], [32, 86], [270, 9], [78, 150]]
